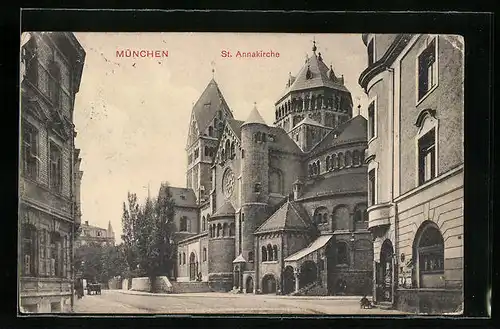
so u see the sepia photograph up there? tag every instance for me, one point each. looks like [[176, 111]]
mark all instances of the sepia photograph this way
[[241, 173]]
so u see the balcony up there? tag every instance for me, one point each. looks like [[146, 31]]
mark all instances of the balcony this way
[[379, 216]]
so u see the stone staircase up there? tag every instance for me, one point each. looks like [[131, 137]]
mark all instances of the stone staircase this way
[[189, 287], [312, 289]]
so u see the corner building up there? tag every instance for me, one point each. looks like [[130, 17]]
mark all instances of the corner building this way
[[279, 209], [415, 169], [49, 181]]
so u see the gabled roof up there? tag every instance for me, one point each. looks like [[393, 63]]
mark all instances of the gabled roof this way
[[342, 183], [254, 117], [235, 126], [239, 259], [319, 76], [227, 210], [352, 130], [290, 216], [283, 142], [210, 101], [183, 197], [308, 121]]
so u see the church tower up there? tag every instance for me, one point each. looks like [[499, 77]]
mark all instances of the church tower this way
[[205, 129], [314, 102]]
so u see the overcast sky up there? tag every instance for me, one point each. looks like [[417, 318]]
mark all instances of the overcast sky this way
[[132, 114]]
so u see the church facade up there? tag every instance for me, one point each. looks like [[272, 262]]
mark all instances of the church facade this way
[[277, 209]]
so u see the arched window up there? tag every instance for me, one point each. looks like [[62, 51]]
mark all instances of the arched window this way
[[204, 254], [327, 163], [356, 161], [233, 153], [429, 245], [341, 218], [306, 103], [335, 161], [228, 149], [258, 137], [320, 215], [219, 230], [184, 224], [184, 258], [310, 170], [275, 252], [210, 131], [180, 259], [360, 214], [313, 102], [54, 83], [29, 239], [320, 102], [348, 159], [250, 256], [231, 229], [264, 254], [319, 166], [269, 252], [275, 181], [341, 160], [342, 254], [225, 230]]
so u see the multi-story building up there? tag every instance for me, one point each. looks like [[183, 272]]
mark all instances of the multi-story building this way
[[278, 209], [52, 65], [415, 162], [95, 235]]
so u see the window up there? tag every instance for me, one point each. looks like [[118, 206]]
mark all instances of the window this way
[[29, 151], [204, 254], [184, 258], [30, 59], [360, 214], [233, 153], [342, 254], [54, 83], [429, 245], [55, 169], [250, 256], [328, 163], [257, 188], [341, 160], [371, 120], [270, 253], [264, 254], [371, 186], [29, 237], [211, 131], [427, 69], [184, 224], [55, 248], [348, 159], [356, 159], [427, 157], [275, 181], [225, 230], [231, 229], [341, 218], [320, 215], [242, 154], [180, 259], [275, 252], [219, 230], [335, 161], [203, 224], [371, 52]]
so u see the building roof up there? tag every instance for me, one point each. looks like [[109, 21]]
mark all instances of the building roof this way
[[342, 183], [235, 126], [226, 210], [283, 142], [320, 242], [239, 259], [289, 216], [315, 74], [209, 103], [308, 121], [254, 117], [352, 130], [183, 197]]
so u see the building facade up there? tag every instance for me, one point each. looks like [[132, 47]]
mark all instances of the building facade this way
[[278, 209], [95, 235], [415, 169], [49, 181]]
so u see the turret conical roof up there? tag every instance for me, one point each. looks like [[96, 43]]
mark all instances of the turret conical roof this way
[[254, 117]]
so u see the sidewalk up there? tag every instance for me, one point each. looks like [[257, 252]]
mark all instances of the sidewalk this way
[[231, 295]]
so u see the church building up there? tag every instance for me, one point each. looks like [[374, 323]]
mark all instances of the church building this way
[[282, 208]]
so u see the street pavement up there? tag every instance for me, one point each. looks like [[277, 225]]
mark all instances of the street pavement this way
[[123, 302]]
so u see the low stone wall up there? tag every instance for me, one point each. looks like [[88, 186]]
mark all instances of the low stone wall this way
[[144, 284], [190, 287], [357, 283], [125, 284], [428, 301], [220, 282]]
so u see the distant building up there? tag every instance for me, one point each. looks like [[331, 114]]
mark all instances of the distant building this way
[[415, 159], [49, 182], [97, 235], [277, 209]]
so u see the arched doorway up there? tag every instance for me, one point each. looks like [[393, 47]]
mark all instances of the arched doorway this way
[[429, 256], [288, 280], [249, 285], [308, 273], [268, 284], [193, 267], [385, 279]]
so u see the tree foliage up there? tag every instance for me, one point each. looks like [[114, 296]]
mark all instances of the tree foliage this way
[[100, 263]]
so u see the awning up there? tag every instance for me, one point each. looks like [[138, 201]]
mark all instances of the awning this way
[[317, 244]]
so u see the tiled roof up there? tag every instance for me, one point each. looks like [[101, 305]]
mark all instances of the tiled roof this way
[[226, 210], [320, 77], [290, 216], [348, 182], [354, 129], [308, 121], [255, 117], [183, 197], [210, 101], [235, 126], [283, 142]]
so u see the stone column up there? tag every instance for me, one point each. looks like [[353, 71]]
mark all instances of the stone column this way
[[296, 273]]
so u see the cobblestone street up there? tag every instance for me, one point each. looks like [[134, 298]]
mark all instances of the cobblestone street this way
[[120, 302]]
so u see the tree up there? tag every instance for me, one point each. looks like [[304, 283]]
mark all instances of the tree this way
[[129, 236]]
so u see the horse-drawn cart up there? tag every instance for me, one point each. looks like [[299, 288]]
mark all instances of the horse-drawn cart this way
[[94, 288]]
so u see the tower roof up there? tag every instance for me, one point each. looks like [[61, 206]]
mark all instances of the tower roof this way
[[227, 210], [287, 217], [210, 101], [254, 117], [315, 73]]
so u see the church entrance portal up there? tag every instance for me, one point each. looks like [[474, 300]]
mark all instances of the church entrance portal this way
[[249, 285], [288, 280], [384, 273], [193, 267], [308, 273], [268, 284]]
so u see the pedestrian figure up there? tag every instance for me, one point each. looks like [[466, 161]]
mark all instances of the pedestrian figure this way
[[365, 302]]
